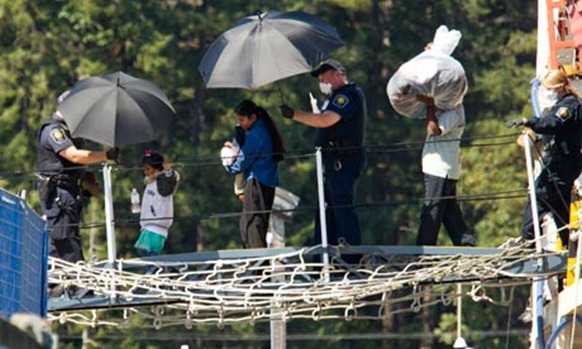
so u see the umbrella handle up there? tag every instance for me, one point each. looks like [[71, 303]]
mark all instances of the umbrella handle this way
[[280, 92]]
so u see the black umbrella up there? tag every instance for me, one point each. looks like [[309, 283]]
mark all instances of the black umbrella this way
[[116, 110], [267, 47]]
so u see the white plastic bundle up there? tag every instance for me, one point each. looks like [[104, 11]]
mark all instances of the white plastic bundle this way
[[432, 73], [227, 156]]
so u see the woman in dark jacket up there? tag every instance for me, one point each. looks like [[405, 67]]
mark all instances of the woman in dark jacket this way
[[257, 159]]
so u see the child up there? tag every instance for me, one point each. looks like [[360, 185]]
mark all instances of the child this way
[[157, 210]]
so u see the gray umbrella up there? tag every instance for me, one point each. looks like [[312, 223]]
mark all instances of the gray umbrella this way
[[267, 47], [116, 110]]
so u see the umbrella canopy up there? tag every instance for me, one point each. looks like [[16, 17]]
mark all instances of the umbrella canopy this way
[[116, 110], [267, 47]]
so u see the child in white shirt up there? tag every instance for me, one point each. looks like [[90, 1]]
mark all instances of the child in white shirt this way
[[157, 207]]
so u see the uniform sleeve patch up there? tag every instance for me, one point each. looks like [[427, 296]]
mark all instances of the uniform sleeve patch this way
[[563, 112], [340, 101], [58, 136]]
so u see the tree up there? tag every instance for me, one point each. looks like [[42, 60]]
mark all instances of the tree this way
[[46, 46]]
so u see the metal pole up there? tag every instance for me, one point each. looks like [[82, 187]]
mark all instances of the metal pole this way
[[109, 224], [459, 309], [532, 191], [537, 286], [322, 208], [460, 341], [278, 330], [277, 240]]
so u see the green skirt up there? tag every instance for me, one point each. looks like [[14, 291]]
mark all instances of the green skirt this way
[[149, 243]]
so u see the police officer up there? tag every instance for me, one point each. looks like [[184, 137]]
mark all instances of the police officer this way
[[340, 134], [60, 169], [561, 130]]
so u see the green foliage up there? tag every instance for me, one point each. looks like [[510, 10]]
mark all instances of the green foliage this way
[[46, 46]]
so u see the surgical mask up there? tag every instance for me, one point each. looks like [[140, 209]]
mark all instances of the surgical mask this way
[[551, 96], [325, 88]]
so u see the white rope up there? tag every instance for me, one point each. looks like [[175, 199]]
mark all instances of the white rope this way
[[283, 287]]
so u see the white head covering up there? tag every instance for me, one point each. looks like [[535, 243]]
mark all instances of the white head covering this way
[[445, 41]]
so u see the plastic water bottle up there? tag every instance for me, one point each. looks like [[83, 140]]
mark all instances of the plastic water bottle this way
[[135, 205]]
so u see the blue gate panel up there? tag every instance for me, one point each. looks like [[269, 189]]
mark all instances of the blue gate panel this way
[[23, 258]]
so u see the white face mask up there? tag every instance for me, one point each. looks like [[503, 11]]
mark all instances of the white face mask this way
[[551, 96], [325, 88]]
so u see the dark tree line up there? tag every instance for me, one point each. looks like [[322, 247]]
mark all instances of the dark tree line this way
[[46, 46]]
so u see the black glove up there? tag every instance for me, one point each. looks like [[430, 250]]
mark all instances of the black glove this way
[[287, 111], [514, 123], [113, 154]]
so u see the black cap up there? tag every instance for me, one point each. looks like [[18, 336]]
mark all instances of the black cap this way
[[155, 160], [330, 64]]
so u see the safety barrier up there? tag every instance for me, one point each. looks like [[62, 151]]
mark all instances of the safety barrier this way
[[23, 258]]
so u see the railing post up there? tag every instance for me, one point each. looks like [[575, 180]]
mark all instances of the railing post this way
[[322, 216], [109, 223], [537, 286]]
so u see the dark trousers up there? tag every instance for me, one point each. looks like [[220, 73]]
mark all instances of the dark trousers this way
[[68, 249], [63, 214], [341, 173], [441, 207], [254, 221], [553, 193]]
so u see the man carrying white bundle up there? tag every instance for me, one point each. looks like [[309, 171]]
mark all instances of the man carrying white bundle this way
[[438, 87], [433, 73]]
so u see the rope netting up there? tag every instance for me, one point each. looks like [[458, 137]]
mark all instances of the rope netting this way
[[286, 284], [248, 286]]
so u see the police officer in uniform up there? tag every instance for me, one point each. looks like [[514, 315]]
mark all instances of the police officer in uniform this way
[[340, 134], [60, 170], [561, 130]]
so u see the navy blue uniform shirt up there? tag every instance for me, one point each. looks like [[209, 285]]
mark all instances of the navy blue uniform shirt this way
[[349, 102], [564, 122], [54, 137]]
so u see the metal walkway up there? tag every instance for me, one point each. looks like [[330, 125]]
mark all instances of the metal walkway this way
[[387, 264]]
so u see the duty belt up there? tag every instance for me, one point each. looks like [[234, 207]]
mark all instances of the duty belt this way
[[341, 147], [61, 180]]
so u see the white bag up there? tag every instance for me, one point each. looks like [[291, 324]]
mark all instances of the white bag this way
[[432, 73], [227, 156]]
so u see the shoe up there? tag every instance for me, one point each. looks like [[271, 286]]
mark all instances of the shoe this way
[[56, 291], [138, 290], [79, 292], [526, 316], [84, 293], [468, 240]]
